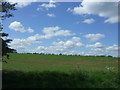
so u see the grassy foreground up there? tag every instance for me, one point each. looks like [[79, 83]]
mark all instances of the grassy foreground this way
[[53, 71], [47, 79]]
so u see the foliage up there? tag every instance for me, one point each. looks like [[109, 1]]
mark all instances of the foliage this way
[[48, 79], [59, 71], [5, 13], [6, 10]]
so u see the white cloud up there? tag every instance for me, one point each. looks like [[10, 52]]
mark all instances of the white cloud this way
[[40, 49], [69, 10], [17, 26], [52, 1], [97, 49], [108, 10], [55, 31], [94, 37], [69, 44], [50, 5], [65, 47], [96, 45], [30, 30], [49, 29], [51, 15], [113, 48], [22, 3], [89, 21], [47, 6], [36, 37], [63, 33], [106, 50], [60, 47], [49, 32], [22, 44]]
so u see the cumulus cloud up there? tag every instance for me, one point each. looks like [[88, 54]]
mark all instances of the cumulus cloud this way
[[22, 44], [30, 30], [96, 45], [89, 21], [94, 37], [97, 49], [55, 31], [48, 32], [40, 49], [60, 47], [18, 26], [47, 6], [114, 47], [69, 10], [112, 50], [106, 50], [69, 44], [22, 3], [67, 47], [51, 15], [50, 5], [36, 37], [108, 10]]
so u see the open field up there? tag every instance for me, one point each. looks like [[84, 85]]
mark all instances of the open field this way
[[36, 62], [34, 70]]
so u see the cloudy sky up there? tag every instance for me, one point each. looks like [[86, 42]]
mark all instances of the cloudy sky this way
[[85, 28]]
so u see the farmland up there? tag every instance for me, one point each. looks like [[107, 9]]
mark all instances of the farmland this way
[[60, 71]]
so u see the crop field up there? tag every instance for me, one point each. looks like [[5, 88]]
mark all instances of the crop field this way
[[36, 62], [55, 71]]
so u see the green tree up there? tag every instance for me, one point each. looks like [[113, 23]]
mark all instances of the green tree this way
[[5, 12]]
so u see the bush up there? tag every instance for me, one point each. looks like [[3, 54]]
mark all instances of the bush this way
[[110, 56], [47, 79]]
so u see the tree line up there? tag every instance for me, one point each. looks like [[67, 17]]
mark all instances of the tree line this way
[[68, 54]]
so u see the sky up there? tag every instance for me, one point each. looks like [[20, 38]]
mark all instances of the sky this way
[[77, 28]]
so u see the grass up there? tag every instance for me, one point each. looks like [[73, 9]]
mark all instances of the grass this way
[[53, 71], [48, 79], [36, 62]]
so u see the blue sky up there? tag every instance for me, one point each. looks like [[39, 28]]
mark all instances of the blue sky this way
[[64, 27]]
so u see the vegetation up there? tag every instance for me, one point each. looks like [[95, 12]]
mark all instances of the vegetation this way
[[39, 62], [54, 71], [60, 71], [52, 79], [5, 13]]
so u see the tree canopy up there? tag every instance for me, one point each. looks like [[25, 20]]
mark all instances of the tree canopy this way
[[5, 12]]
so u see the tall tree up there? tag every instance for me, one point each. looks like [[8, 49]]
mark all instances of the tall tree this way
[[5, 12]]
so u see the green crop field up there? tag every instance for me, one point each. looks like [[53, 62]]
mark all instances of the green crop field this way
[[49, 70], [36, 62]]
